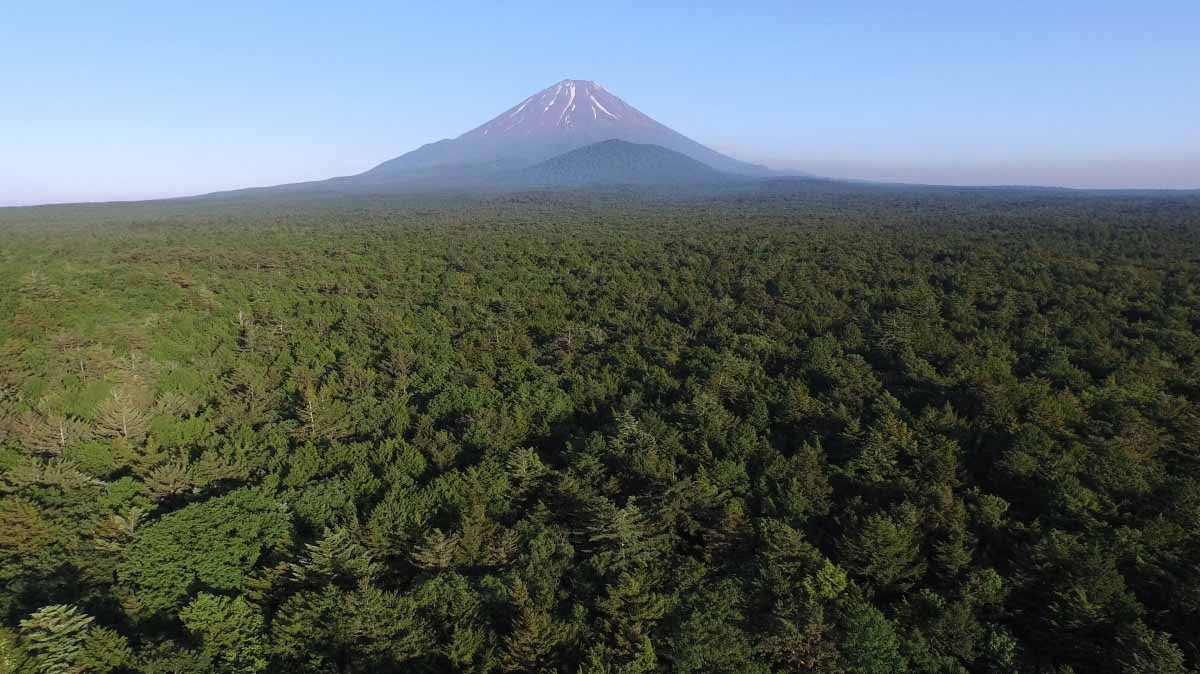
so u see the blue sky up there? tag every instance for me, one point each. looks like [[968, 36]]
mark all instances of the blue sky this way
[[135, 100]]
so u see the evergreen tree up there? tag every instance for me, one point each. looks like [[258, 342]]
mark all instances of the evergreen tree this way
[[119, 416], [886, 550], [871, 645], [54, 636], [533, 637], [230, 631]]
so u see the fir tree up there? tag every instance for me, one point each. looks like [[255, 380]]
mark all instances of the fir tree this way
[[53, 636]]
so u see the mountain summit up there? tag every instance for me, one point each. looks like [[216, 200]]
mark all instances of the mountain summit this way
[[562, 117], [571, 107]]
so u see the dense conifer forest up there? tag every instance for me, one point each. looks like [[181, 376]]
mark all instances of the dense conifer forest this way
[[828, 430]]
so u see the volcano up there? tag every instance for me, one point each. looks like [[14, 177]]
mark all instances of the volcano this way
[[563, 117], [573, 133]]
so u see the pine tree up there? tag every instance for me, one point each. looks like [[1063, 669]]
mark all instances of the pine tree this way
[[622, 536], [534, 636], [336, 558], [231, 631], [53, 636], [11, 653], [1151, 652], [170, 480], [120, 417], [628, 613], [886, 443], [116, 531], [323, 414], [24, 530], [437, 552], [382, 630], [105, 651], [250, 396], [176, 404], [58, 473], [870, 645], [49, 436], [212, 467], [887, 550], [800, 649], [525, 468], [212, 545]]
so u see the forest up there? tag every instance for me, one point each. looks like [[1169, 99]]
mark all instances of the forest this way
[[807, 429]]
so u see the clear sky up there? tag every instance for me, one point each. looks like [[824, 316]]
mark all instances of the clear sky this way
[[113, 100]]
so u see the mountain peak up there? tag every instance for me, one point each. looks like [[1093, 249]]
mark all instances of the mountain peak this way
[[566, 115], [580, 105], [578, 83]]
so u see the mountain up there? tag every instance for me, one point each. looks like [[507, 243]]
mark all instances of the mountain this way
[[563, 117], [558, 136], [618, 162]]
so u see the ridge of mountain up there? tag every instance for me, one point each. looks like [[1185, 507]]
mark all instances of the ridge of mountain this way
[[616, 162]]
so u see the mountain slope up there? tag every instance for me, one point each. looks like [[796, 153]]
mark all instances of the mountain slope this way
[[617, 162], [563, 117]]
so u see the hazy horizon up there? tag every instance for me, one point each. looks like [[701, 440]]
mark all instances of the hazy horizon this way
[[137, 102]]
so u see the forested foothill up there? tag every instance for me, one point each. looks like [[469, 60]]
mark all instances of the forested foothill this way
[[806, 428]]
